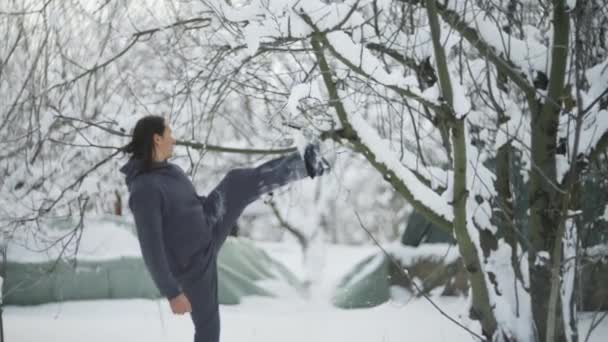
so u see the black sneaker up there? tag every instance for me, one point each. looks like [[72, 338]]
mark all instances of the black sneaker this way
[[316, 165]]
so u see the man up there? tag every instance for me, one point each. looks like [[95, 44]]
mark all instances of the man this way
[[180, 232]]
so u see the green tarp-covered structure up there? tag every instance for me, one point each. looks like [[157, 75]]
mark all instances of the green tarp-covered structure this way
[[243, 269], [377, 279], [369, 282]]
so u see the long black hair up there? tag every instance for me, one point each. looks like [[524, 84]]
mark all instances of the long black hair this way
[[142, 141]]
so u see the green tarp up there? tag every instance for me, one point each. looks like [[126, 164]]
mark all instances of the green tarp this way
[[241, 265], [366, 285]]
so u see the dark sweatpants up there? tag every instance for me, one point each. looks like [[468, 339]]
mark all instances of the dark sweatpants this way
[[222, 207]]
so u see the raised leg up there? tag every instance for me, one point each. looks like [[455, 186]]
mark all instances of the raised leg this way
[[240, 187]]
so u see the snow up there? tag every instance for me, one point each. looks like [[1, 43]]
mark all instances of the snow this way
[[542, 257], [512, 306], [595, 122], [401, 295], [301, 142], [436, 176], [479, 179], [528, 54], [382, 153], [364, 59], [101, 240], [253, 34], [299, 92], [255, 319], [597, 252], [437, 252], [462, 105], [570, 244], [286, 18], [339, 261], [571, 4], [326, 17]]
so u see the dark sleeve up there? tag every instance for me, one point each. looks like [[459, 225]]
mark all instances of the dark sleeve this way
[[242, 186], [146, 205]]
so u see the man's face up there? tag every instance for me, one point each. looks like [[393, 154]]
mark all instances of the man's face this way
[[163, 144]]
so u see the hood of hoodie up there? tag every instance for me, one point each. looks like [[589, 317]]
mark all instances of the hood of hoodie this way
[[134, 167]]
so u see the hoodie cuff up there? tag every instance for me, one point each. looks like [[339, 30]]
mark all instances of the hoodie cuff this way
[[172, 293]]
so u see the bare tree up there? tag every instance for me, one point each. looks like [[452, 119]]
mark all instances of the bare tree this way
[[440, 99]]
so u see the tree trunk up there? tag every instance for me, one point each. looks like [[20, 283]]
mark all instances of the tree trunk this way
[[480, 302], [504, 218], [480, 308], [3, 247], [544, 195]]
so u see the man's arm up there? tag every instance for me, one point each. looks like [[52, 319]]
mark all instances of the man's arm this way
[[146, 205]]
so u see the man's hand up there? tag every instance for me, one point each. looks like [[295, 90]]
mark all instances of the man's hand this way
[[180, 304]]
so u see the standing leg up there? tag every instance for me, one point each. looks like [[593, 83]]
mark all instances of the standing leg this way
[[201, 291], [240, 187]]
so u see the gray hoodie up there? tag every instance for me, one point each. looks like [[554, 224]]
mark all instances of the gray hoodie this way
[[181, 232]]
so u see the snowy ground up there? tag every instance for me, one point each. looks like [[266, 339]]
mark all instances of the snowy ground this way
[[256, 319]]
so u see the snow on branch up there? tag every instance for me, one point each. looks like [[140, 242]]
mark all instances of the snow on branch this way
[[377, 152], [594, 138], [381, 152], [481, 38]]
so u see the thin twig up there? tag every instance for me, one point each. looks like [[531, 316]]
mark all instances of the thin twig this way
[[192, 144], [418, 289]]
